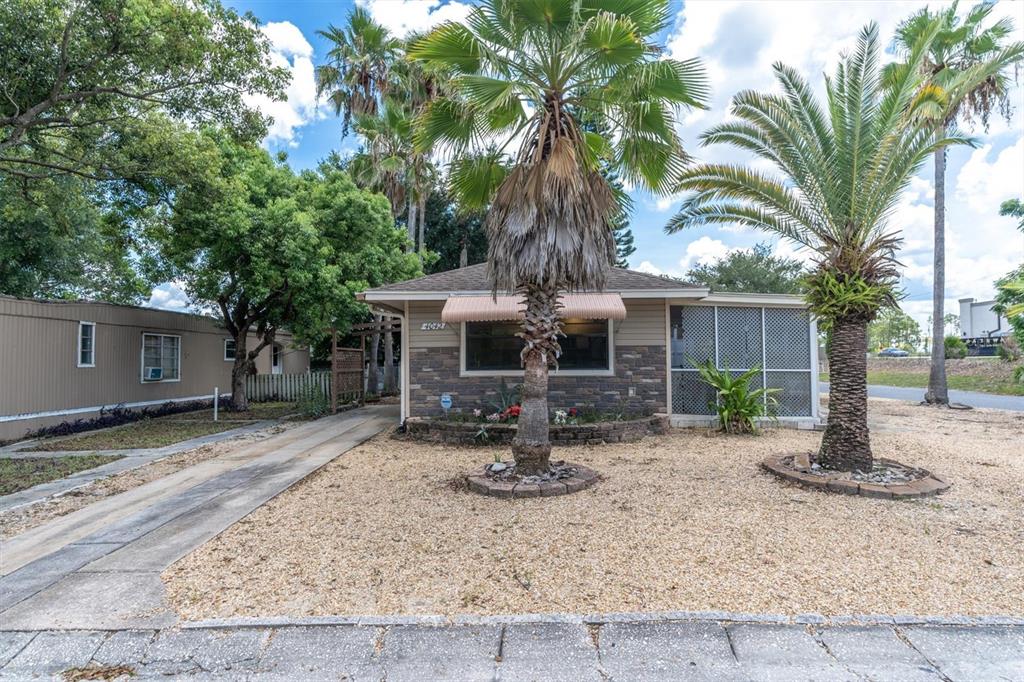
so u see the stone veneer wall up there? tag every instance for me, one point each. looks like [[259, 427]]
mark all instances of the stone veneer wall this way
[[468, 433], [433, 371]]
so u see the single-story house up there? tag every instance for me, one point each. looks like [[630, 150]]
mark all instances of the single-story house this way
[[66, 360], [629, 348]]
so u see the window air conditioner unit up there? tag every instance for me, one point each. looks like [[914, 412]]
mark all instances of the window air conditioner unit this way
[[153, 373]]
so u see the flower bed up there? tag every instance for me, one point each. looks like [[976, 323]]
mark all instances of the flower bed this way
[[474, 433]]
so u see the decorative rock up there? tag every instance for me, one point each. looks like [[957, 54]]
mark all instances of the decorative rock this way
[[565, 478], [497, 467]]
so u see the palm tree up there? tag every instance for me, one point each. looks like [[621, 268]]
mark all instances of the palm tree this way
[[971, 64], [528, 73], [841, 171], [358, 72]]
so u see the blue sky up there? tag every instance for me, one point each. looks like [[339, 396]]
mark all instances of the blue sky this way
[[738, 40]]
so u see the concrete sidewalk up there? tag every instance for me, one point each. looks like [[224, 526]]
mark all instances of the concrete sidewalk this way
[[990, 401], [627, 650], [100, 566]]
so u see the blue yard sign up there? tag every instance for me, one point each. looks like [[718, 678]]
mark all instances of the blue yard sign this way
[[446, 401]]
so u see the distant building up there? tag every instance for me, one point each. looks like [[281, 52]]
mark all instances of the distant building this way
[[981, 327], [66, 360]]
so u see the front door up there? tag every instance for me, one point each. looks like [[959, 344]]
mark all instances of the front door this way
[[276, 367]]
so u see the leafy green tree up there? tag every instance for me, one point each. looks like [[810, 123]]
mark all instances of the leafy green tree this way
[[893, 328], [268, 250], [1013, 208], [968, 65], [1010, 289], [458, 238], [532, 72], [754, 271], [83, 80], [842, 168], [62, 238], [624, 247]]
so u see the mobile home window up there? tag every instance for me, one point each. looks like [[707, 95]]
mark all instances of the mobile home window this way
[[86, 344], [494, 346], [229, 350], [163, 352]]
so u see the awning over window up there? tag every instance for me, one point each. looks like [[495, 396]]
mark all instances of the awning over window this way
[[487, 309]]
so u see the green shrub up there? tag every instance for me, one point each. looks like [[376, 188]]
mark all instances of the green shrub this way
[[1009, 349], [737, 405], [313, 403], [956, 349]]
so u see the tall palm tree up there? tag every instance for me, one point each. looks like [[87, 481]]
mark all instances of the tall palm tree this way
[[527, 73], [841, 170], [358, 71], [971, 63]]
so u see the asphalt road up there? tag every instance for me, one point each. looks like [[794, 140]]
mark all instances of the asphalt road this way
[[972, 398]]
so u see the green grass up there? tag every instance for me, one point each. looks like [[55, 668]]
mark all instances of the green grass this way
[[149, 433], [256, 411], [21, 474], [954, 381]]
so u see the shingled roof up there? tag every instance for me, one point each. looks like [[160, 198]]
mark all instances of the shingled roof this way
[[474, 278]]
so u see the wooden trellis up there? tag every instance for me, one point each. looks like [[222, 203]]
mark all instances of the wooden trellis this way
[[348, 364]]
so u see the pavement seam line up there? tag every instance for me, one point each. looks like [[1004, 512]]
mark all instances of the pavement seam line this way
[[500, 655], [22, 648], [815, 633], [732, 647], [902, 636]]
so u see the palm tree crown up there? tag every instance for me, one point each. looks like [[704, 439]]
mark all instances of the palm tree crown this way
[[358, 70], [528, 71], [842, 167], [841, 170]]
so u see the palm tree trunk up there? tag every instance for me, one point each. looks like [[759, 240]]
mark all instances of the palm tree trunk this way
[[938, 392], [423, 223], [531, 447], [846, 445], [410, 222]]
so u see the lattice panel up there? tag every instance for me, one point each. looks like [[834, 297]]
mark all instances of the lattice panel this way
[[787, 339], [690, 395], [693, 334], [739, 338], [795, 399]]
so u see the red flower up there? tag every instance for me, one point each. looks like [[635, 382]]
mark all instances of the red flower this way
[[572, 411], [512, 412]]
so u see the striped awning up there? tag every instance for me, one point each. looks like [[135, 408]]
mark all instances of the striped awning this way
[[502, 308]]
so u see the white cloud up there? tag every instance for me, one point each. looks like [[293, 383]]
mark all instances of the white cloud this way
[[984, 184], [168, 296], [291, 50], [650, 268], [704, 251], [402, 17]]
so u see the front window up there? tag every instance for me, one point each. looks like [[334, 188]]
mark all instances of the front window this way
[[229, 350], [86, 344], [161, 357], [494, 346]]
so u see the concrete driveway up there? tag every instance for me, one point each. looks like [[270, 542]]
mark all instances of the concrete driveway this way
[[100, 566]]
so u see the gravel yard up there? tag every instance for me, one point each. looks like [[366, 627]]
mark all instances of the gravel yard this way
[[682, 522]]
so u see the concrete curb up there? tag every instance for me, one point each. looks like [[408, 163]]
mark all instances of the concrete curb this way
[[601, 619]]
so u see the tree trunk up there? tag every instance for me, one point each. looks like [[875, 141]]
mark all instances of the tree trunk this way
[[389, 359], [938, 393], [422, 212], [410, 222], [846, 445], [531, 447], [239, 370], [371, 372]]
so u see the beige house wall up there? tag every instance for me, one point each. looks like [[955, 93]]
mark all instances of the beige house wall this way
[[39, 370]]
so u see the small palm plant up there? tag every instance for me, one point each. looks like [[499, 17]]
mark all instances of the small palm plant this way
[[737, 404], [536, 74], [841, 171]]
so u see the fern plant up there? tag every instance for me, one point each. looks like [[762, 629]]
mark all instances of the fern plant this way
[[738, 405]]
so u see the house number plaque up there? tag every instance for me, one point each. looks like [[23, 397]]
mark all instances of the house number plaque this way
[[433, 326]]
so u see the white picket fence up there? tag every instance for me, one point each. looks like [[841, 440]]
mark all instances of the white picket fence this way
[[287, 387]]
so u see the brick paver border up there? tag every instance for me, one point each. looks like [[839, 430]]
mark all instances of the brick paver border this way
[[796, 468], [479, 482]]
